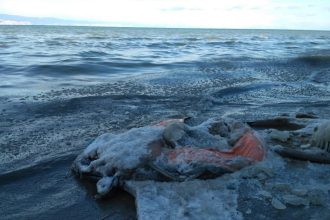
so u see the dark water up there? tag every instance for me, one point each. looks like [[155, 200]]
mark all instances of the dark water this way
[[61, 87]]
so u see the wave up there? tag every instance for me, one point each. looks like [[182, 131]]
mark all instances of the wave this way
[[55, 43], [95, 68], [4, 45], [8, 69], [227, 43], [92, 53], [243, 88], [259, 38], [96, 37], [287, 43], [130, 39], [192, 39], [314, 60], [56, 70], [166, 45], [7, 86]]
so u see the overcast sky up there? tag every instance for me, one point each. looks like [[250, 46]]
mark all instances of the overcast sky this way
[[283, 14]]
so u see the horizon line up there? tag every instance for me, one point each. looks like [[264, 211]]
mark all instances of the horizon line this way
[[151, 27]]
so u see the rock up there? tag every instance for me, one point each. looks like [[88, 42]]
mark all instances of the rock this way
[[265, 194], [294, 200], [299, 192], [282, 187], [262, 176], [268, 171], [258, 172], [282, 136], [277, 204]]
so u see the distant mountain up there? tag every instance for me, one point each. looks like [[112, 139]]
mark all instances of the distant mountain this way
[[6, 19], [13, 22]]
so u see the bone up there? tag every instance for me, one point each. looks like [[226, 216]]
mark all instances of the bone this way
[[321, 136]]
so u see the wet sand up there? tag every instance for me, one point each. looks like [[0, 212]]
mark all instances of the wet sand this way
[[49, 191]]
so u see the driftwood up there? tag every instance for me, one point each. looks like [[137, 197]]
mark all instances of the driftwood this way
[[317, 157], [306, 115], [280, 123]]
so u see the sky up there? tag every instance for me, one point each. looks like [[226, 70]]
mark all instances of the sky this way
[[269, 14]]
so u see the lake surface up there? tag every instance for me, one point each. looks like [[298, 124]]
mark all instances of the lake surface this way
[[35, 59]]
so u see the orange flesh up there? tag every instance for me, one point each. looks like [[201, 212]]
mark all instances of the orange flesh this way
[[248, 147]]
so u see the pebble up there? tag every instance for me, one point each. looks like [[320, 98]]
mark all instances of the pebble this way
[[281, 187], [265, 194], [294, 200], [258, 172], [282, 136], [262, 176], [268, 171], [316, 197], [277, 204], [299, 192], [305, 146]]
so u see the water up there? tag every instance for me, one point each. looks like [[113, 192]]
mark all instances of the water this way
[[61, 87], [34, 59]]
